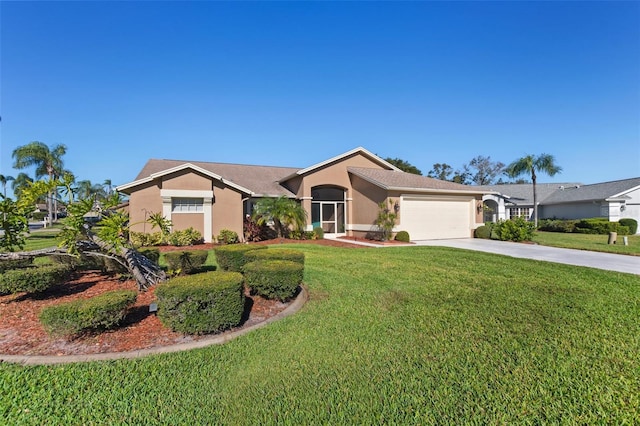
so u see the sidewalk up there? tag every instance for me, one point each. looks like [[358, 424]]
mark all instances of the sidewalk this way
[[606, 261]]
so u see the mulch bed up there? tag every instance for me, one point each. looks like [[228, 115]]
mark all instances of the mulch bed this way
[[21, 333]]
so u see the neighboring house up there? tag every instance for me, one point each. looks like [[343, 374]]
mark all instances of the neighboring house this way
[[340, 195], [612, 200]]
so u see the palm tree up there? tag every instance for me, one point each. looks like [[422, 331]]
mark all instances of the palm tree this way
[[283, 212], [48, 162], [108, 184], [529, 164], [21, 181], [3, 181]]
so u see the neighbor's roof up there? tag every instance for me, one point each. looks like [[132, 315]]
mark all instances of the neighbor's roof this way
[[259, 180], [402, 181], [597, 191], [521, 194]]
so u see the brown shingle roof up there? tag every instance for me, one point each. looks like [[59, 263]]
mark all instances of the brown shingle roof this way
[[389, 179], [262, 180]]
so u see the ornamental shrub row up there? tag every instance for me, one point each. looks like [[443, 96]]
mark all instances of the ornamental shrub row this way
[[6, 265], [32, 280], [231, 258], [187, 261], [201, 303], [100, 312], [600, 226]]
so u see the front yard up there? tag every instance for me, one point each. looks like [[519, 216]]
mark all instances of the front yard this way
[[418, 335], [589, 242]]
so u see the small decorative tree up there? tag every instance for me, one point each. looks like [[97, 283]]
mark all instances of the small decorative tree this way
[[386, 219]]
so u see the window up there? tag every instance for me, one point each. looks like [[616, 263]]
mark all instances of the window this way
[[187, 205], [523, 212]]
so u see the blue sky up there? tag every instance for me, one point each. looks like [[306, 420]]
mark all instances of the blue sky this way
[[293, 84]]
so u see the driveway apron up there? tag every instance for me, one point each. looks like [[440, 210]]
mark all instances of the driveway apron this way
[[607, 261]]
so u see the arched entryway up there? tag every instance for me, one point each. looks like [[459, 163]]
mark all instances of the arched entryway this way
[[490, 208], [328, 210]]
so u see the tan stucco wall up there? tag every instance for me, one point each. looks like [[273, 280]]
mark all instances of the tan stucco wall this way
[[186, 180], [146, 197], [227, 210], [334, 174]]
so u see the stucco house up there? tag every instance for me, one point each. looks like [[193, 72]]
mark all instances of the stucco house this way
[[612, 200], [340, 194]]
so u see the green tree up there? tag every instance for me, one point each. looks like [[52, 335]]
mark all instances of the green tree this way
[[282, 211], [21, 182], [483, 171], [529, 165], [14, 224], [3, 181], [48, 162], [440, 171], [386, 219], [403, 165]]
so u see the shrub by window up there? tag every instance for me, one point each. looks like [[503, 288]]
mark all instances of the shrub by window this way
[[228, 236], [187, 261], [231, 258], [201, 303], [185, 237], [100, 312], [274, 279], [319, 232], [32, 280]]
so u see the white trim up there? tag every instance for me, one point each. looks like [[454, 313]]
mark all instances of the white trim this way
[[306, 198], [186, 193], [625, 191]]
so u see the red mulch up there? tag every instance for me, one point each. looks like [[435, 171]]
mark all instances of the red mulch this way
[[22, 334]]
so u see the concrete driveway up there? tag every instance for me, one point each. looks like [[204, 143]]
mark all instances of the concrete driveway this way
[[607, 261]]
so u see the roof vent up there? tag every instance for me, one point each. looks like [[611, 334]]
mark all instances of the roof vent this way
[[562, 187]]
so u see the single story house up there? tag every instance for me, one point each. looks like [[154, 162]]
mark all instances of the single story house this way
[[340, 194], [612, 200]]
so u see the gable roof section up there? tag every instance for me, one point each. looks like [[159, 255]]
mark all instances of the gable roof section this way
[[396, 180], [614, 190], [253, 180], [358, 150]]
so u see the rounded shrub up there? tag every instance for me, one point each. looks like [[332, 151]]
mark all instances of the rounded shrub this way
[[403, 236], [319, 232], [483, 232], [32, 280], [100, 312], [274, 279], [228, 236], [275, 254], [201, 303], [186, 261], [231, 257], [630, 223]]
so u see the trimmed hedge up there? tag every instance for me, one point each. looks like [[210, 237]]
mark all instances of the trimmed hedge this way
[[274, 279], [100, 312], [630, 223], [7, 265], [600, 226], [187, 261], [517, 229], [151, 253], [201, 303], [483, 232], [275, 254], [32, 280], [557, 225], [231, 257], [403, 236]]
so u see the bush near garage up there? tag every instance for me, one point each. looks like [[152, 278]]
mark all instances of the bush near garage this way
[[186, 261], [231, 257], [32, 280], [275, 254], [201, 303], [96, 313], [403, 236], [274, 279], [483, 232]]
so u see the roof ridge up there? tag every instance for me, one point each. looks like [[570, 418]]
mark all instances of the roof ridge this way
[[220, 162]]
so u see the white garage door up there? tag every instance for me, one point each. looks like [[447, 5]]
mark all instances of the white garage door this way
[[436, 218]]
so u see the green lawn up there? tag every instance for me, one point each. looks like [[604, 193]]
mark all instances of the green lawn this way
[[589, 242], [419, 335]]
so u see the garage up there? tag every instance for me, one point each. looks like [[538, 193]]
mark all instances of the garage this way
[[431, 218]]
